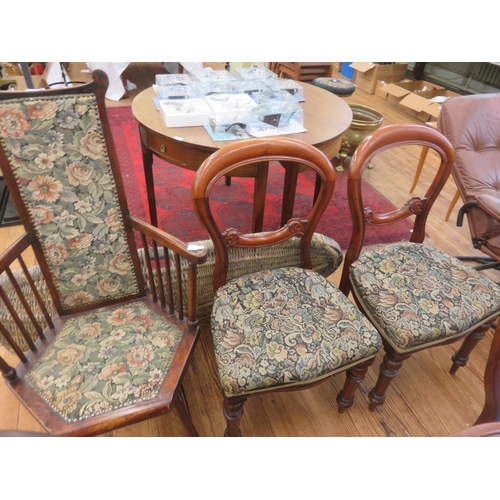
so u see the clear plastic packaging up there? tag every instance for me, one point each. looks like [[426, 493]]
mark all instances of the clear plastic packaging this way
[[230, 102], [209, 75], [291, 86], [216, 87], [256, 73], [250, 86], [175, 87], [279, 113]]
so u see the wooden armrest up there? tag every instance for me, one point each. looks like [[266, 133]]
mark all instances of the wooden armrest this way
[[167, 240]]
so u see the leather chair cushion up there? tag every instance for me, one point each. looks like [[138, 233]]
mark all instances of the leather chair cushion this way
[[417, 296], [472, 124], [286, 327]]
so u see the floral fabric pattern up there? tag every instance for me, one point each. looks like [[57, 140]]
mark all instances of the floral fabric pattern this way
[[416, 295], [57, 152], [106, 360], [286, 326]]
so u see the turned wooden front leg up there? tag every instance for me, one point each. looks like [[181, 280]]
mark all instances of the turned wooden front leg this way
[[389, 369], [461, 356], [8, 372], [233, 411], [354, 377]]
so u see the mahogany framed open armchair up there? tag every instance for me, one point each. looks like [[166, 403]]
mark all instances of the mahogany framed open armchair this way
[[108, 339]]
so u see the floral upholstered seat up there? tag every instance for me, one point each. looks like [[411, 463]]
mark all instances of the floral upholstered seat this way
[[419, 295], [285, 327], [105, 360]]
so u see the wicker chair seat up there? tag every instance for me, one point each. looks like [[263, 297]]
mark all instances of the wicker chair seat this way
[[325, 252]]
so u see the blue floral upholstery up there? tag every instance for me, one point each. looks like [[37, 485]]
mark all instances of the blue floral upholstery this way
[[418, 296], [58, 155], [105, 360], [286, 326]]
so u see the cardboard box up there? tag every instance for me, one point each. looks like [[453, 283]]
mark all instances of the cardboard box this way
[[366, 75], [337, 66], [394, 92], [421, 107]]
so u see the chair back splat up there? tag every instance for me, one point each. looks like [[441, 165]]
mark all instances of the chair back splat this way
[[102, 334], [285, 327], [416, 296]]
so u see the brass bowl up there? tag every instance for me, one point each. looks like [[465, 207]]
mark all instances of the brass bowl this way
[[365, 120]]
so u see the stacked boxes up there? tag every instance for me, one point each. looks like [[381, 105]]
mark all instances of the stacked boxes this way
[[367, 74]]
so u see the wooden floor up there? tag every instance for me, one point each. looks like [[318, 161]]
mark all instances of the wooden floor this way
[[424, 400]]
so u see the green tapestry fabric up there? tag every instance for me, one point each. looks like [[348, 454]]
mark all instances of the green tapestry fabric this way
[[105, 360], [57, 152], [286, 326], [417, 295]]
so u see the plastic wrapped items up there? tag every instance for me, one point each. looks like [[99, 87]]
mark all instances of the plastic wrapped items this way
[[256, 73], [175, 87], [209, 75]]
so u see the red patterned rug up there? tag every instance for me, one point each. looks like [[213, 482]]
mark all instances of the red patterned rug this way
[[232, 205]]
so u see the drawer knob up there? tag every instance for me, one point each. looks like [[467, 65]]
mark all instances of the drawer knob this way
[[163, 148]]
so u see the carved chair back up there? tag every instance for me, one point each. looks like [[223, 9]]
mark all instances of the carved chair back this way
[[260, 151], [362, 216]]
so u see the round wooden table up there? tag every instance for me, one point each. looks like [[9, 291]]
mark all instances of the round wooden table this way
[[326, 118]]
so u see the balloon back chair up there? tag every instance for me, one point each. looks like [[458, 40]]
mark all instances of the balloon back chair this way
[[415, 295], [102, 347], [283, 328]]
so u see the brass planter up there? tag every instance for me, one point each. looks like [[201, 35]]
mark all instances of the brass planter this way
[[365, 120]]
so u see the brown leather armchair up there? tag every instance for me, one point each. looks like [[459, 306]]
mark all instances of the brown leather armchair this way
[[472, 125]]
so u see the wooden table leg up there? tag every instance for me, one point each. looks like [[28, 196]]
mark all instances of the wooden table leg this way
[[452, 205], [259, 197], [421, 161], [147, 159], [289, 189]]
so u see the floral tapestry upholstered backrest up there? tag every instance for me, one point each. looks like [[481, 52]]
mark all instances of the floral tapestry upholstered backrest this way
[[56, 150]]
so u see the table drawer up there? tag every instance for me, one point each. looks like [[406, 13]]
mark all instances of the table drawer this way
[[167, 149]]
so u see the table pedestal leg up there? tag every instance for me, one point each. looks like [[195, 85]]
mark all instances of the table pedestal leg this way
[[290, 186], [259, 196], [147, 159]]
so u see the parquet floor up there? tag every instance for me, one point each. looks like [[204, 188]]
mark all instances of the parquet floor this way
[[424, 400]]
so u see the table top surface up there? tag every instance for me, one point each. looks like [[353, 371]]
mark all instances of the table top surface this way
[[326, 117]]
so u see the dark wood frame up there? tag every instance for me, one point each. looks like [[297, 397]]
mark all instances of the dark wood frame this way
[[362, 216], [162, 247], [262, 151]]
